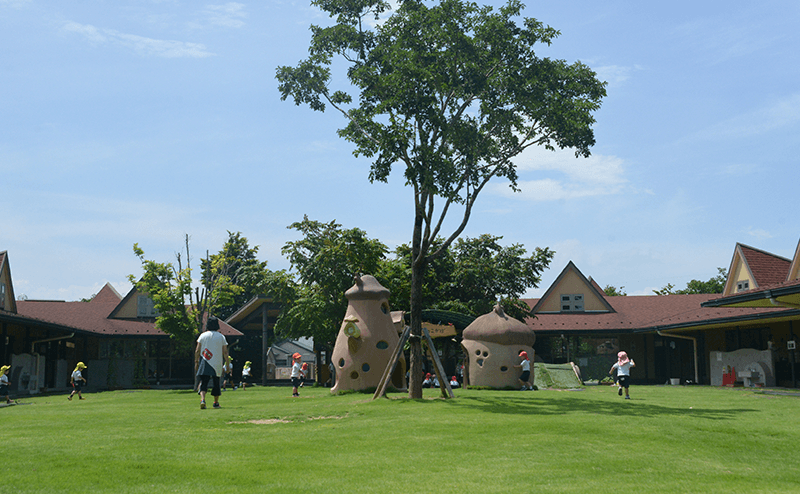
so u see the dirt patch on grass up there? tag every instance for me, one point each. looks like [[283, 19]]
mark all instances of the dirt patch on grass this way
[[283, 421]]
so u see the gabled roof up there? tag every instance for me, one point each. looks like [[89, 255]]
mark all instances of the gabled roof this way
[[763, 267], [794, 268], [643, 313], [593, 294], [5, 273], [778, 295], [93, 317], [249, 316]]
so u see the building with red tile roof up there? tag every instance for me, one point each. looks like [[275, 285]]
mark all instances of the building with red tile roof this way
[[44, 339], [669, 336], [674, 336]]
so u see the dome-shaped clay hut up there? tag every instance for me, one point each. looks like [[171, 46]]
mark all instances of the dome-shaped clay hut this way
[[366, 339], [492, 344]]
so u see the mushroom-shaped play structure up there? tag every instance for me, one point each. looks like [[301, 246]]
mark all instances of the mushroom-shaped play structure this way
[[366, 339], [492, 344]]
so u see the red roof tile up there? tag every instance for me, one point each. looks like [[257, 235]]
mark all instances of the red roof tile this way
[[767, 268], [642, 312], [92, 316]]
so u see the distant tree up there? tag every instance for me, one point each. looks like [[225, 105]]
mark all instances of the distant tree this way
[[181, 310], [612, 291], [452, 92], [327, 260], [668, 289], [714, 285], [238, 261]]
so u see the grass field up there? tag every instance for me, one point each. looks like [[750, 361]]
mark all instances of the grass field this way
[[665, 439]]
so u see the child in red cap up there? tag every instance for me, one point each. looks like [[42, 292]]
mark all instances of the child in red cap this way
[[297, 371], [525, 378], [427, 382]]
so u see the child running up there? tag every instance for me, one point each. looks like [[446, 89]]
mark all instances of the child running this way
[[245, 375], [227, 372], [525, 378], [4, 384], [623, 368], [76, 379], [297, 371]]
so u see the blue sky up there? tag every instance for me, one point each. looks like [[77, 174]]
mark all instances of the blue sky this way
[[142, 121]]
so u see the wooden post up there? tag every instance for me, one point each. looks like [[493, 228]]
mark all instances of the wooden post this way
[[387, 374], [444, 382], [264, 344]]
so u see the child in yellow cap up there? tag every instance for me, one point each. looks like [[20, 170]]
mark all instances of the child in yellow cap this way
[[227, 374], [76, 379], [4, 383], [245, 374]]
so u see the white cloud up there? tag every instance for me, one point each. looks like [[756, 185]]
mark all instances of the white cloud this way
[[722, 39], [227, 15], [574, 177], [757, 233], [139, 44], [616, 75], [769, 118], [14, 4]]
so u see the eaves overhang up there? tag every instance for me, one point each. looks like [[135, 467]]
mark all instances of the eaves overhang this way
[[789, 296], [707, 324]]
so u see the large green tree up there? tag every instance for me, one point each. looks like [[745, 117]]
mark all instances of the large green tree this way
[[327, 260], [229, 278], [180, 308], [452, 92], [470, 276]]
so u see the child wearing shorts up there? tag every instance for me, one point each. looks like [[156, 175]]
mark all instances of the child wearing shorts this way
[[525, 378], [297, 372], [4, 384], [76, 379], [623, 369], [245, 374]]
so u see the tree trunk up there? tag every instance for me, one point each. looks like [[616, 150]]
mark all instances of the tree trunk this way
[[415, 339]]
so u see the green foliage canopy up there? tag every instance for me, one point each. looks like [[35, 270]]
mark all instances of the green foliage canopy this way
[[453, 92], [715, 284], [470, 276], [327, 260]]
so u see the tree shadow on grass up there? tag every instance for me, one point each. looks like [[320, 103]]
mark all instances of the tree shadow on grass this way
[[541, 404]]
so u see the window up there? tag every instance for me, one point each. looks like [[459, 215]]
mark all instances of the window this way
[[743, 285], [572, 302], [144, 307], [2, 295]]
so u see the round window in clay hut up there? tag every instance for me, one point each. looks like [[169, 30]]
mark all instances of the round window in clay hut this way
[[382, 345], [485, 354], [365, 367], [503, 368], [341, 362], [354, 375]]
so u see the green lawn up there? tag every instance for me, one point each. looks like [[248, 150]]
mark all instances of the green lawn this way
[[665, 439]]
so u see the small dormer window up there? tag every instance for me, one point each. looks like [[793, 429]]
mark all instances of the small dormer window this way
[[743, 285], [2, 295], [145, 307], [572, 302]]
